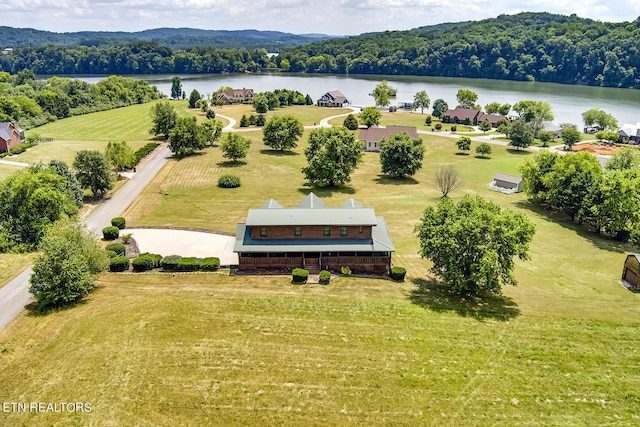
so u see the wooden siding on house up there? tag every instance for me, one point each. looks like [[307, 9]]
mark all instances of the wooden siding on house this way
[[311, 232], [631, 271]]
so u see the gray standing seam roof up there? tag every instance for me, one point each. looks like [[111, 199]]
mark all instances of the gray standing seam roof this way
[[316, 216], [507, 178]]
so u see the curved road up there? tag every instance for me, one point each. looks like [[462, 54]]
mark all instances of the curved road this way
[[14, 296]]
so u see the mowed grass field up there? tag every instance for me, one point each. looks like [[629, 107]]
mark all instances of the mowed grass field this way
[[307, 114], [212, 349]]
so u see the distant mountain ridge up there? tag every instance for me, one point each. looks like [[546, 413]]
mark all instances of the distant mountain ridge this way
[[176, 38]]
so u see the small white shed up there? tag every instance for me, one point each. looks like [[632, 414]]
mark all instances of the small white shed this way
[[506, 183]]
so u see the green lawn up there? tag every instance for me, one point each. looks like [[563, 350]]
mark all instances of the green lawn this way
[[408, 118], [307, 114], [12, 264], [212, 349], [6, 170], [209, 349]]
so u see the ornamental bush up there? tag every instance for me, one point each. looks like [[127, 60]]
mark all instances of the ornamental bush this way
[[119, 263], [142, 263], [155, 258], [118, 248], [119, 222], [111, 254], [346, 271], [189, 264], [325, 277], [110, 233], [210, 264], [300, 276], [397, 274], [229, 181], [170, 262]]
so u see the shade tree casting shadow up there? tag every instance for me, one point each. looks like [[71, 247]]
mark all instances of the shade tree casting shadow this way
[[431, 294]]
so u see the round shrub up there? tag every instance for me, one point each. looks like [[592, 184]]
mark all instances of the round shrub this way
[[210, 264], [142, 263], [325, 277], [119, 222], [170, 262], [398, 273], [345, 270], [229, 181], [110, 233], [119, 263], [118, 248], [112, 254], [300, 275]]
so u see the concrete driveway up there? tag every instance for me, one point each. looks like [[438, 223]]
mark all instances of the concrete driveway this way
[[185, 243]]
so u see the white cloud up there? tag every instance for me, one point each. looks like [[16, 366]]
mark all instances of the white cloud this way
[[296, 16]]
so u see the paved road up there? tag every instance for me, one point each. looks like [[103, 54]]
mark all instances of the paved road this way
[[14, 296]]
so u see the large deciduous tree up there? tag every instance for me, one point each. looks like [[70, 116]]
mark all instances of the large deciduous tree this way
[[534, 112], [213, 130], [570, 135], [260, 103], [440, 107], [421, 100], [627, 158], [472, 244], [119, 154], [93, 172], [533, 172], [370, 116], [65, 271], [333, 154], [282, 132], [187, 136], [401, 155], [164, 118], [30, 201], [483, 149], [521, 134], [464, 143], [467, 98], [235, 147], [382, 92], [595, 116]]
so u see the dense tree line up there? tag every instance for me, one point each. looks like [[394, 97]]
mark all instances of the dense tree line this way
[[575, 184], [528, 46], [133, 58], [33, 102]]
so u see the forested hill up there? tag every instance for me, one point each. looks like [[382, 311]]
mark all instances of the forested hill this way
[[527, 46], [176, 38]]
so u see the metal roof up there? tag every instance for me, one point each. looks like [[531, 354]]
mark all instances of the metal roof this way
[[312, 202], [507, 178], [271, 204], [351, 203], [380, 241], [315, 216]]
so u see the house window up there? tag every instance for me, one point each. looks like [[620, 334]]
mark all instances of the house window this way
[[263, 231], [360, 229], [343, 231], [297, 231], [326, 231]]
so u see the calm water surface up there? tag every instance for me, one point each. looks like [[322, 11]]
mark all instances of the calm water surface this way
[[568, 102]]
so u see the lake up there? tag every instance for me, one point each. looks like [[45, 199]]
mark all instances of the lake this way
[[568, 102]]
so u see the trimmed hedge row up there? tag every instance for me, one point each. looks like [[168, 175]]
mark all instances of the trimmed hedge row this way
[[397, 273], [146, 261], [141, 152], [118, 248], [119, 222], [178, 263], [300, 276], [111, 254]]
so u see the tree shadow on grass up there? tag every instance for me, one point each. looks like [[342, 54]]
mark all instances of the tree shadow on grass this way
[[326, 191], [388, 180], [436, 297], [34, 310], [179, 157], [230, 164], [482, 157], [461, 154], [279, 153], [518, 152], [599, 241]]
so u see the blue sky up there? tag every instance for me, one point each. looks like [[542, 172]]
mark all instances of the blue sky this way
[[336, 17]]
